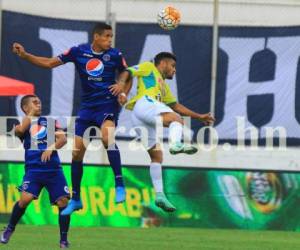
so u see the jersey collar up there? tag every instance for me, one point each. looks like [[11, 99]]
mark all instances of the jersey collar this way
[[97, 53]]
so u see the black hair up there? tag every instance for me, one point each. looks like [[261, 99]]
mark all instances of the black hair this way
[[163, 55], [24, 101], [99, 28]]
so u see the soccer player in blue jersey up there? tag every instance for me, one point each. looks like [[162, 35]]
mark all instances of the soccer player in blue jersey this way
[[96, 64], [42, 167]]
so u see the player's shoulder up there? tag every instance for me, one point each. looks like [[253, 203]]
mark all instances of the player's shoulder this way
[[114, 52], [79, 48], [142, 66], [44, 120], [83, 47], [147, 64]]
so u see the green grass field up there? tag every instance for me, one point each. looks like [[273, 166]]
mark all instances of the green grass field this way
[[46, 237]]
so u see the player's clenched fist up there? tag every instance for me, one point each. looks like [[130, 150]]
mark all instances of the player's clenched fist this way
[[122, 99], [19, 50], [207, 119]]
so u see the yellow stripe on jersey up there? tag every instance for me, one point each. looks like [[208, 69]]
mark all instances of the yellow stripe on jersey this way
[[150, 83]]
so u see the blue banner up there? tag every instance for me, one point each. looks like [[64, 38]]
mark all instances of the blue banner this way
[[257, 78]]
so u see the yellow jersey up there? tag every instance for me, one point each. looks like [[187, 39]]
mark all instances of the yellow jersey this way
[[151, 84]]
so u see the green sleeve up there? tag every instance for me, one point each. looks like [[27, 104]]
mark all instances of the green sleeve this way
[[143, 69]]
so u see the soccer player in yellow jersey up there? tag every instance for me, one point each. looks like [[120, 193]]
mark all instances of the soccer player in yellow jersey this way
[[155, 99]]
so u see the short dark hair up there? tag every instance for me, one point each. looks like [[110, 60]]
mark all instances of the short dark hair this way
[[24, 101], [163, 55], [99, 28]]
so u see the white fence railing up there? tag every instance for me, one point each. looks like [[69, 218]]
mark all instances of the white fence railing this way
[[195, 12]]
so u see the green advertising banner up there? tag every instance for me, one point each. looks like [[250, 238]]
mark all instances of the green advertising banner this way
[[204, 198]]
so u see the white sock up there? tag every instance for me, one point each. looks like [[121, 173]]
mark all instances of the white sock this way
[[175, 132], [156, 176], [187, 135]]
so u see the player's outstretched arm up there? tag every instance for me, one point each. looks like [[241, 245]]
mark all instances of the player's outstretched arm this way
[[182, 110], [44, 62]]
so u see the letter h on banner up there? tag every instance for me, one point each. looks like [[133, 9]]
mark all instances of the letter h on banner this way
[[239, 89]]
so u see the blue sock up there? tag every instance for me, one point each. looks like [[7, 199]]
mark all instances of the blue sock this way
[[115, 163], [16, 215], [64, 223], [77, 172]]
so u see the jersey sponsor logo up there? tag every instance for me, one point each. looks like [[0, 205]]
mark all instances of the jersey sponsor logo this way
[[96, 79], [94, 67], [106, 57], [38, 132]]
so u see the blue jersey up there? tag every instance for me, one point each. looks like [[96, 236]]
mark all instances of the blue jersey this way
[[97, 72], [35, 143]]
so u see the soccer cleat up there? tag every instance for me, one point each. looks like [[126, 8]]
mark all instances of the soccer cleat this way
[[72, 206], [120, 194], [162, 202], [64, 244], [176, 148], [179, 147], [189, 149], [7, 233]]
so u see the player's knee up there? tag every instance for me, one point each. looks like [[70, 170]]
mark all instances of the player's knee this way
[[176, 118], [157, 158], [105, 141], [62, 202], [180, 120], [77, 155], [171, 117], [156, 155]]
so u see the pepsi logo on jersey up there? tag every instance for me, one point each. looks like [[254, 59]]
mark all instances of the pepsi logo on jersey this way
[[94, 67], [38, 132]]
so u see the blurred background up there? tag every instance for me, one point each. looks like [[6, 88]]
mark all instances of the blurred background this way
[[236, 58]]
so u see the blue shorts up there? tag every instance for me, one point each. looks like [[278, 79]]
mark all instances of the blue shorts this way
[[88, 117], [54, 181]]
